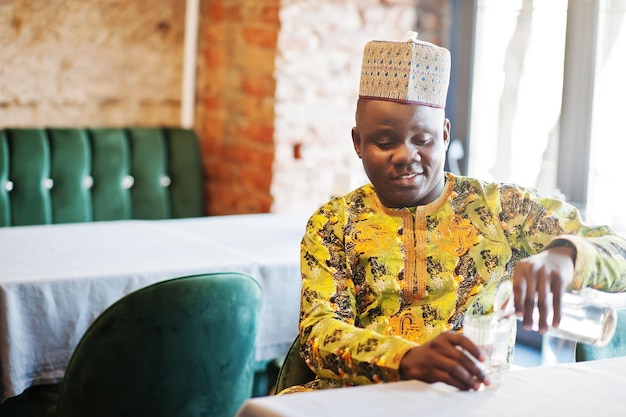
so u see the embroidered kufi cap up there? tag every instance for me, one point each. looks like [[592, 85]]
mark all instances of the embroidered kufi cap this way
[[413, 71]]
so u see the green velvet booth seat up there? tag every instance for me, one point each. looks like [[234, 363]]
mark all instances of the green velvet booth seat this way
[[66, 175], [182, 347]]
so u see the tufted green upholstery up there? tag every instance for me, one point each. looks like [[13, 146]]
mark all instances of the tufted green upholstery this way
[[183, 347], [65, 175]]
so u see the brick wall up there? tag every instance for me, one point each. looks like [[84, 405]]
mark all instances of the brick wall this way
[[317, 75], [235, 102], [97, 62], [277, 82]]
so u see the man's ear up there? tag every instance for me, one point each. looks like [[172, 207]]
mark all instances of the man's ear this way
[[356, 141], [446, 133]]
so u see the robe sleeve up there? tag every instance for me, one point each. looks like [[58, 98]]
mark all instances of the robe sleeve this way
[[537, 223]]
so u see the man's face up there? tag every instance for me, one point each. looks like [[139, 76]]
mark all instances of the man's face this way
[[403, 149]]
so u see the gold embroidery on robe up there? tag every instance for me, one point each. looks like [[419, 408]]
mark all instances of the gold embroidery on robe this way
[[455, 235], [408, 325]]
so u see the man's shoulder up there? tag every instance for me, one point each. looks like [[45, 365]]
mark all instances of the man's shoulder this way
[[465, 182], [360, 199]]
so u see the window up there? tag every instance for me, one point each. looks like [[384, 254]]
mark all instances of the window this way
[[545, 103], [606, 200], [516, 101], [547, 95]]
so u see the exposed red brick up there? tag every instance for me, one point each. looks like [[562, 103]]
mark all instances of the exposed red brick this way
[[238, 86], [234, 13], [265, 159], [222, 200], [258, 132], [259, 59], [213, 82], [220, 172], [271, 14], [212, 102], [233, 152], [265, 37], [215, 10], [255, 107], [263, 85], [264, 203], [215, 57], [239, 154], [214, 34], [259, 179]]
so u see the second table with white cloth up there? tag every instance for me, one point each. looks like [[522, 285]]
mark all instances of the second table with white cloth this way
[[56, 279]]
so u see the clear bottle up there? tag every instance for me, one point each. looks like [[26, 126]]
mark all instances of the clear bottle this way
[[584, 319]]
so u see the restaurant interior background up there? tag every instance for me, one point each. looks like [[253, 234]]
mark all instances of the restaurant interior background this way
[[270, 87]]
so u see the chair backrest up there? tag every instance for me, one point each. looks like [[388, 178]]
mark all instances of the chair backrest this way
[[294, 370], [67, 175], [615, 348], [182, 347]]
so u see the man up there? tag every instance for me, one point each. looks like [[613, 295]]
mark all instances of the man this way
[[390, 269]]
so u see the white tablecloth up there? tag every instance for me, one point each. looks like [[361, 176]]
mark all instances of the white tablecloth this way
[[583, 389], [54, 280]]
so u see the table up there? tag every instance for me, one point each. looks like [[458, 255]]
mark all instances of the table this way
[[575, 389], [55, 280]]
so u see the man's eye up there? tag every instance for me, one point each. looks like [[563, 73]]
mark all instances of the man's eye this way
[[384, 145]]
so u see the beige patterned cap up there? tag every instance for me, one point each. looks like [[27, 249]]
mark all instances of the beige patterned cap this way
[[413, 71]]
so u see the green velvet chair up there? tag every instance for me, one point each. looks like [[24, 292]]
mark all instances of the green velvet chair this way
[[615, 348], [182, 347], [294, 370]]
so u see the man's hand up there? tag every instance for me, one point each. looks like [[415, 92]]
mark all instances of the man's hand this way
[[443, 360], [536, 278]]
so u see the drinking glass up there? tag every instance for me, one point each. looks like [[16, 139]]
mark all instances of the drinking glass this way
[[492, 335]]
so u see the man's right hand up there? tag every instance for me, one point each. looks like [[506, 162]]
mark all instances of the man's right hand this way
[[443, 360]]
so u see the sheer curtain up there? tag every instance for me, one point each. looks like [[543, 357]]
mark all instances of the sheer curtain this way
[[606, 199], [517, 112], [517, 90], [517, 87]]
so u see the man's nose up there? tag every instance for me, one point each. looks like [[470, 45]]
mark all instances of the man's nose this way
[[407, 153]]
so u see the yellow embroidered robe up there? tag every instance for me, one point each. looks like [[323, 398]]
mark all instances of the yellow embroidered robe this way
[[378, 281]]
